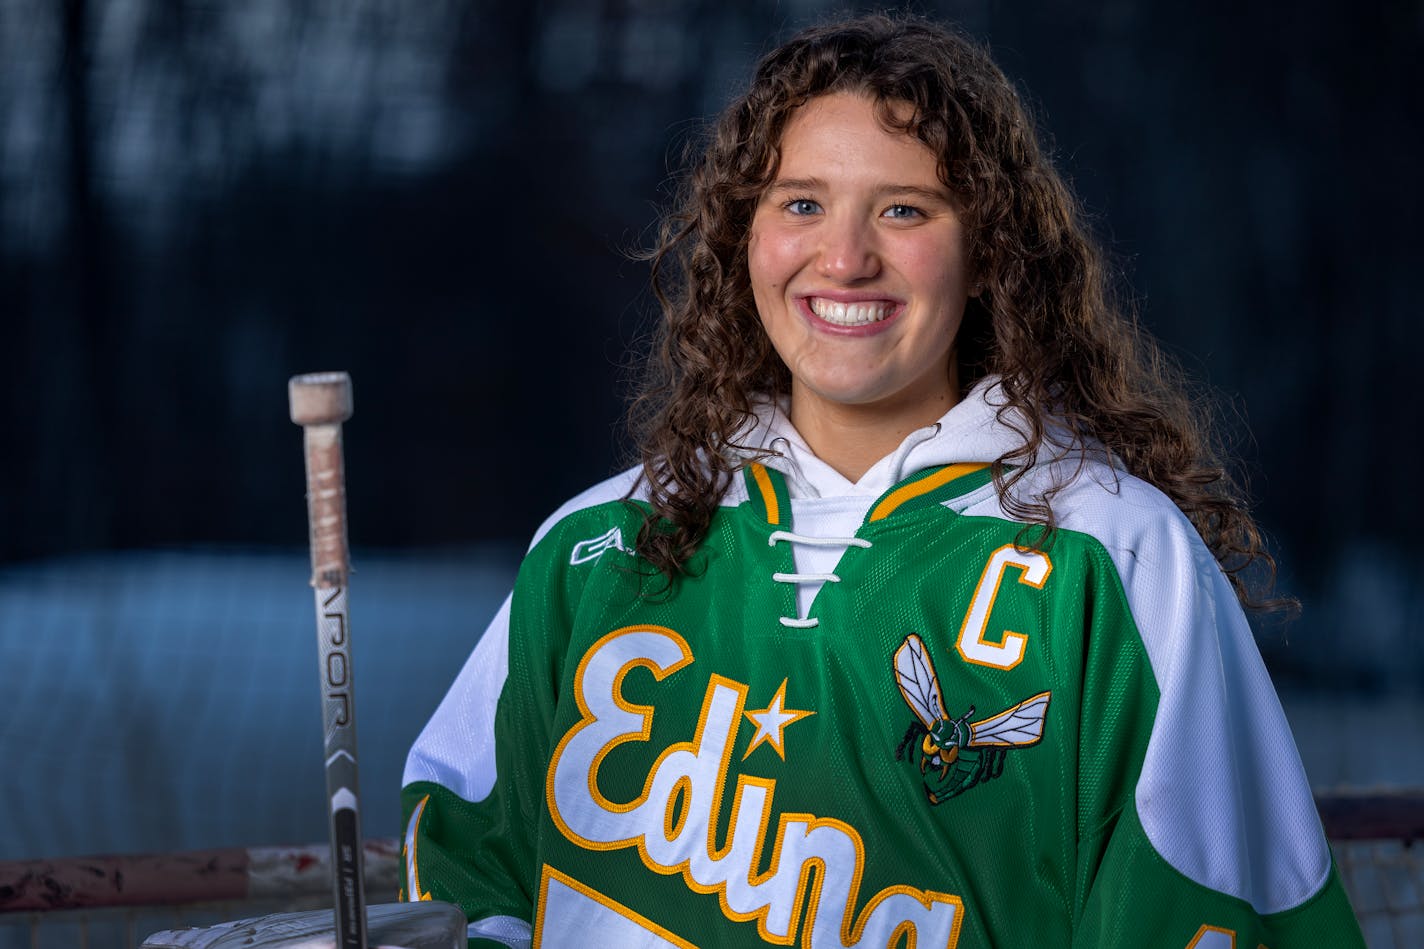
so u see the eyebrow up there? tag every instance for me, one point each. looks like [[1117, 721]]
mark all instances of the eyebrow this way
[[814, 184], [915, 190], [796, 184]]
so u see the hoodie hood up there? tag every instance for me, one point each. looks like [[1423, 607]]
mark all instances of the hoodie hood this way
[[968, 432]]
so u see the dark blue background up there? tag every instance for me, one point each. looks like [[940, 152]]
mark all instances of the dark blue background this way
[[200, 199]]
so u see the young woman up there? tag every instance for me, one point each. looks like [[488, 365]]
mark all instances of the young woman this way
[[920, 622]]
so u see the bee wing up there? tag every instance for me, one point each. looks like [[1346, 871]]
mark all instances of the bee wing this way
[[1015, 727], [915, 675]]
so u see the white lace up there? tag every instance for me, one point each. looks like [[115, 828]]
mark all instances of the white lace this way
[[815, 541], [794, 538]]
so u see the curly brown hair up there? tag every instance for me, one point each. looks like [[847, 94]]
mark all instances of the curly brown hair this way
[[1045, 321]]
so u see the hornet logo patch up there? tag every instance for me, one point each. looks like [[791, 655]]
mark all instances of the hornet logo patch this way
[[954, 754]]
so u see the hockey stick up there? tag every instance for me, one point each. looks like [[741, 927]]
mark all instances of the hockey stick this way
[[319, 404]]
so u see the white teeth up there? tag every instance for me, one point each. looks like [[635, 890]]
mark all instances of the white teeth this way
[[849, 314]]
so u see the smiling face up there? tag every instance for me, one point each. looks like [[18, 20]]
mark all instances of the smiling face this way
[[858, 268]]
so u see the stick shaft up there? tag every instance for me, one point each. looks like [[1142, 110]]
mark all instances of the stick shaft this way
[[342, 787], [326, 513]]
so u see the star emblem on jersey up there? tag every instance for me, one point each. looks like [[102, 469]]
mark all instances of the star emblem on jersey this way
[[772, 721], [951, 754]]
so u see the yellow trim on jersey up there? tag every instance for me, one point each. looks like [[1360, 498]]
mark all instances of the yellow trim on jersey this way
[[924, 486], [608, 903], [768, 493], [1208, 930], [412, 838]]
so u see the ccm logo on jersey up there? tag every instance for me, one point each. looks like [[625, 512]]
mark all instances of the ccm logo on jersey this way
[[586, 551], [672, 822]]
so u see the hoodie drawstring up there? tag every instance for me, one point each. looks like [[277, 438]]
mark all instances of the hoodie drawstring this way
[[791, 468], [912, 441]]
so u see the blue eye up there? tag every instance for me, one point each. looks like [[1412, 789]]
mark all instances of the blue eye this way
[[901, 211], [802, 206]]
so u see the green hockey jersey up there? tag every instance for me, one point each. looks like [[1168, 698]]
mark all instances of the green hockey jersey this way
[[874, 714]]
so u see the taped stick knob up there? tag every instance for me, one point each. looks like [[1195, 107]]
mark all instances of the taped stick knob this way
[[320, 398], [320, 402]]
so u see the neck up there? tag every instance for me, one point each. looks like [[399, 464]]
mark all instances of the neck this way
[[852, 438]]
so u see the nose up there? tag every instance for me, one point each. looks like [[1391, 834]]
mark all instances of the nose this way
[[848, 252]]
